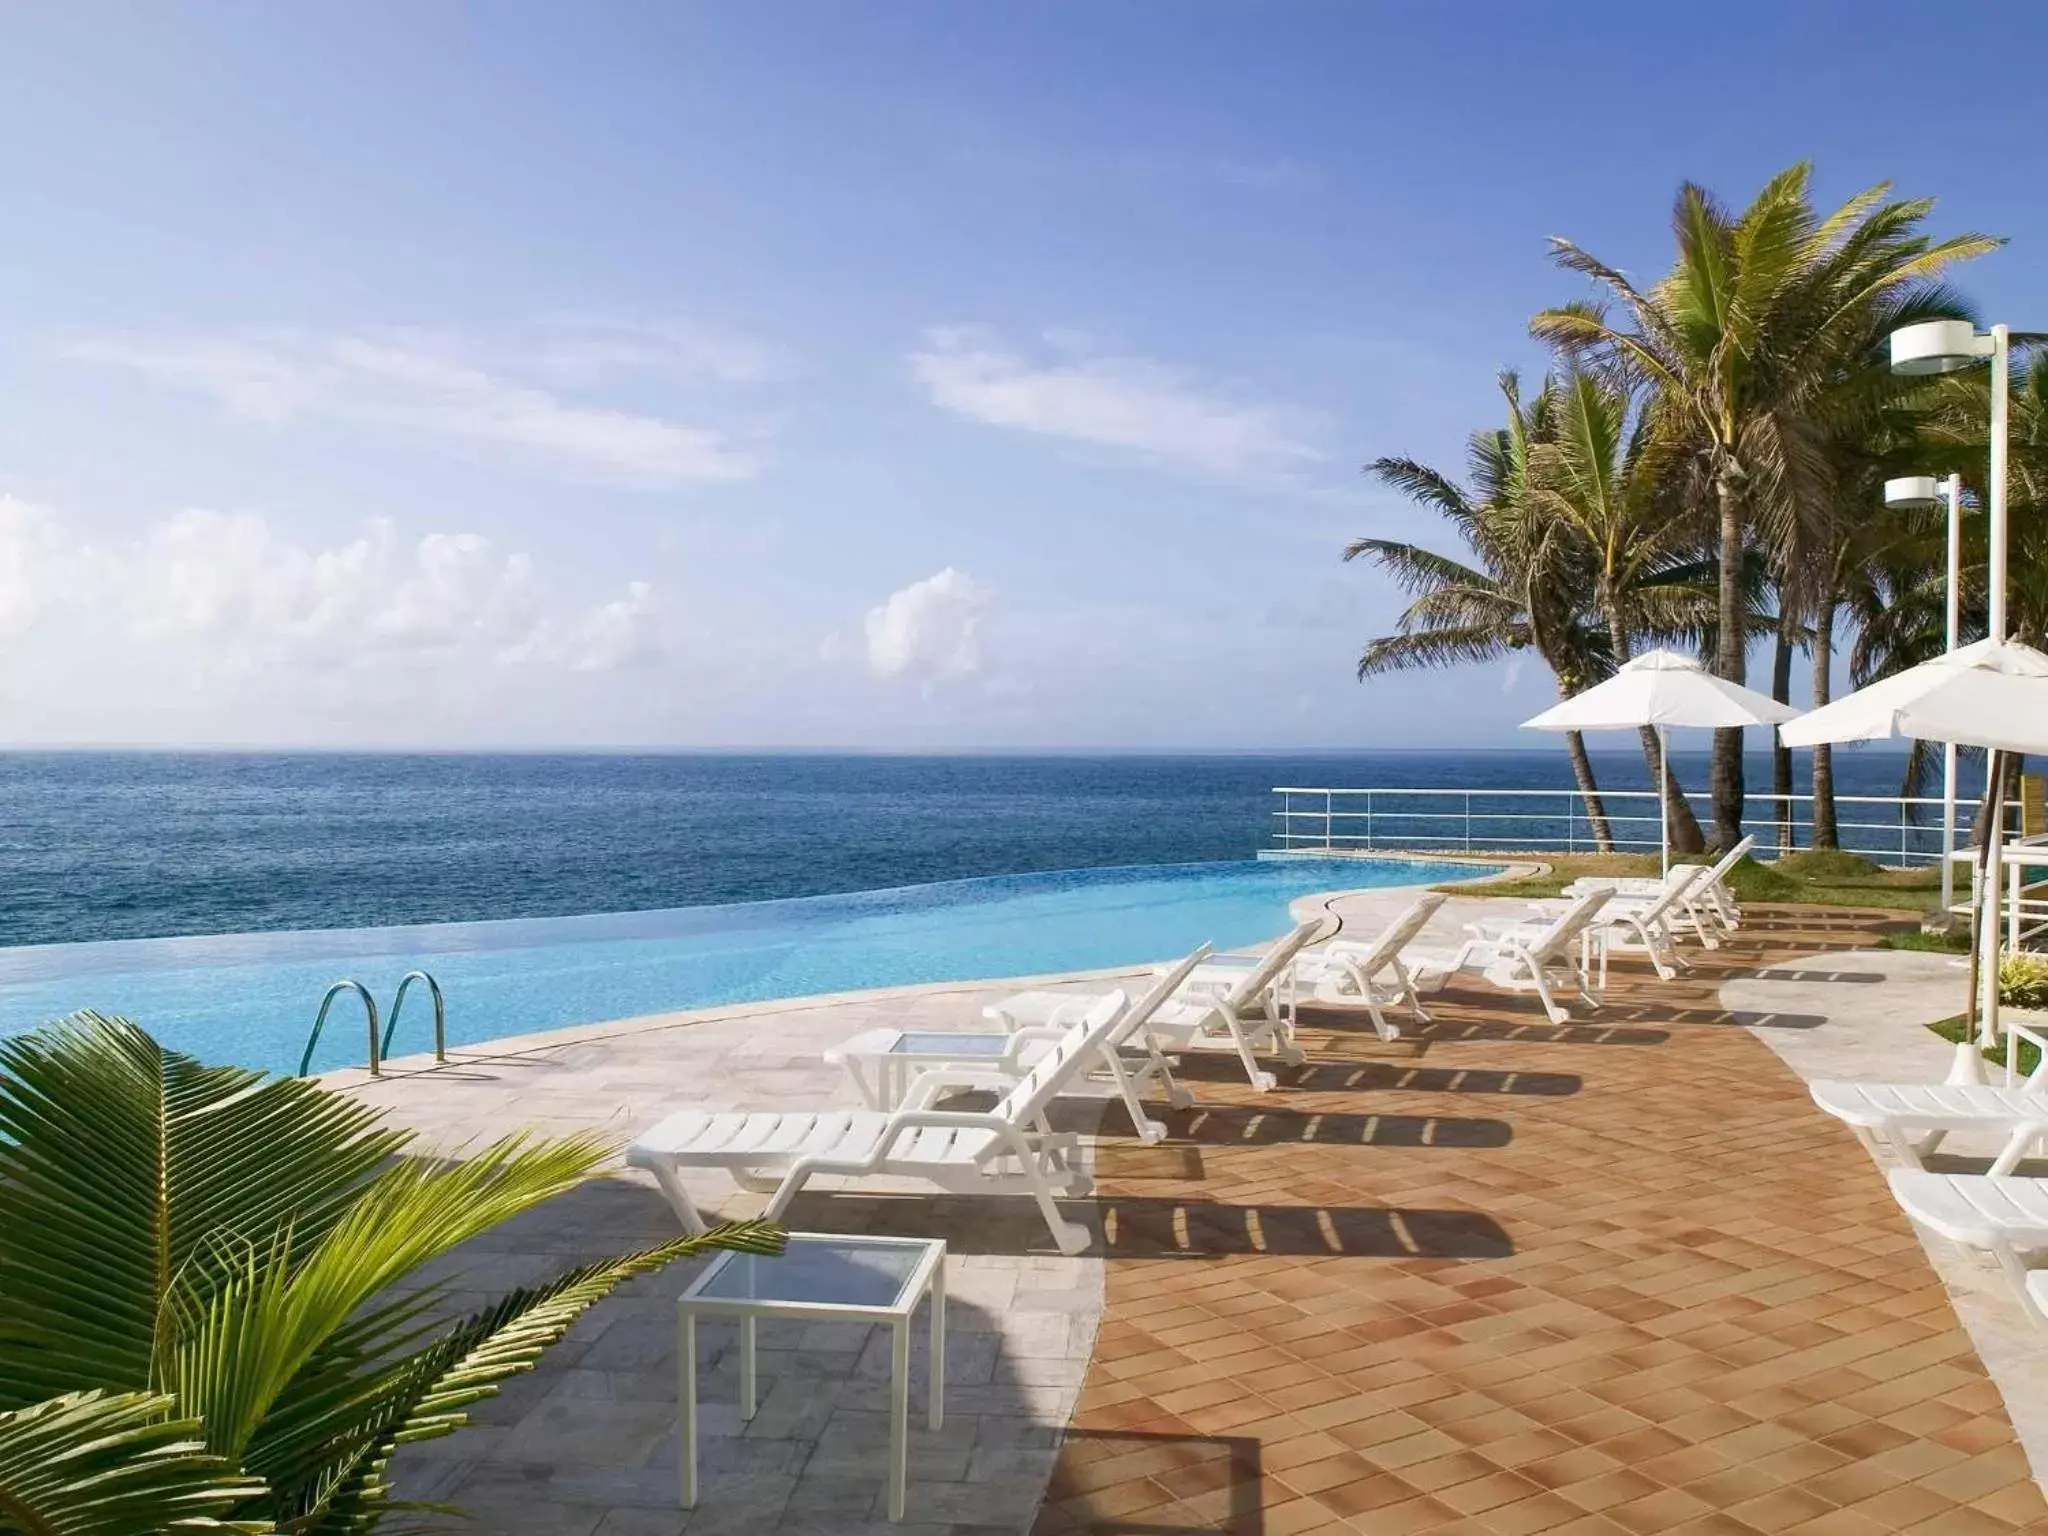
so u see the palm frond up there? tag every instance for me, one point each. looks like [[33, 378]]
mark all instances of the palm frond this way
[[121, 1166], [95, 1464]]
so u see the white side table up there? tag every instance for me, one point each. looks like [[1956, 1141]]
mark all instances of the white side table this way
[[884, 1062], [821, 1276]]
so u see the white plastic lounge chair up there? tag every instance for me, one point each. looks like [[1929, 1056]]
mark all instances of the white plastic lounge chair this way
[[2002, 1216], [1215, 1008], [1368, 972], [1711, 897], [1646, 925], [1129, 1060], [1521, 956], [1008, 1149], [1913, 1118]]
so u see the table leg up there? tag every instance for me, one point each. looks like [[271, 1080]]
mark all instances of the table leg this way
[[747, 1383], [899, 1415], [686, 1396], [936, 1413]]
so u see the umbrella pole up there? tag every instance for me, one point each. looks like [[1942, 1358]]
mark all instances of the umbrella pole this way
[[1664, 793], [1992, 882]]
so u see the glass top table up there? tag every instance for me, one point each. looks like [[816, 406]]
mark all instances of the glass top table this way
[[821, 1270], [883, 1062], [818, 1275]]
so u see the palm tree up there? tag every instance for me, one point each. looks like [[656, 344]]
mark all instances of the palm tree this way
[[1520, 595], [1761, 313], [1597, 475], [216, 1261]]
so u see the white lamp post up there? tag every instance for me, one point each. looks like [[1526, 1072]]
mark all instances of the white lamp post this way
[[1949, 346], [1919, 492]]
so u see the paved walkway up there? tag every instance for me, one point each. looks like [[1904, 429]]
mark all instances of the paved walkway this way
[[1509, 1277], [1497, 1277]]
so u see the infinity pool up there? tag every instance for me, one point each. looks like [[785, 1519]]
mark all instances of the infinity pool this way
[[250, 997]]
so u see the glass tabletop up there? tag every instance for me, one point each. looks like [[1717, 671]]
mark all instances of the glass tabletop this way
[[962, 1044], [818, 1270]]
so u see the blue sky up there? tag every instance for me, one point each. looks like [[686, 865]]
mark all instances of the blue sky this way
[[891, 376]]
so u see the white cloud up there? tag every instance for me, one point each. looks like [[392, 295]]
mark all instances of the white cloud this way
[[420, 385], [1132, 403], [930, 629], [584, 349], [208, 625]]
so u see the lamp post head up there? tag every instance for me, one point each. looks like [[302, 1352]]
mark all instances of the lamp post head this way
[[1912, 492], [1938, 346]]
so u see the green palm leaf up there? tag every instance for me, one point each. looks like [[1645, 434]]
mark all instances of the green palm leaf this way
[[121, 1165], [89, 1464], [427, 1396]]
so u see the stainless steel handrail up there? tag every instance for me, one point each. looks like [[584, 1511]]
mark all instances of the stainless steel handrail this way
[[346, 984], [440, 1013]]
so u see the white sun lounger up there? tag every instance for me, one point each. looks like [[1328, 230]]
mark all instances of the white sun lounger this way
[[880, 1060], [2004, 1217], [1712, 895], [1645, 925], [1912, 1118], [1006, 1150], [1372, 973], [1216, 1008], [1524, 956]]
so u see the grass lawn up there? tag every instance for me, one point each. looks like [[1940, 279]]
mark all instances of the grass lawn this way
[[1809, 879], [1961, 1028]]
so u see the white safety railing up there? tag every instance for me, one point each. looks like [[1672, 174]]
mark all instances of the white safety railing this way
[[1891, 829]]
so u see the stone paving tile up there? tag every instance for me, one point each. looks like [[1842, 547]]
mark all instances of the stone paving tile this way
[[1503, 1276]]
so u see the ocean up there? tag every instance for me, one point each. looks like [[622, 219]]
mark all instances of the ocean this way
[[147, 844]]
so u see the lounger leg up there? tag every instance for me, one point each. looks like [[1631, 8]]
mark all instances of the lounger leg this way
[[2016, 1272], [1407, 982], [1150, 1131], [2016, 1148], [1159, 1068], [1648, 933], [1281, 1028], [785, 1194], [1551, 1010], [1067, 1236], [671, 1182], [1261, 1079]]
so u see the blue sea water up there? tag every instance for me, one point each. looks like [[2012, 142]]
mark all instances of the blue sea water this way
[[132, 845]]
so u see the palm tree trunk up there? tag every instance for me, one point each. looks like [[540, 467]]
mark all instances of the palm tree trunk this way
[[1824, 828], [1730, 654], [1686, 836], [1781, 755], [1589, 791]]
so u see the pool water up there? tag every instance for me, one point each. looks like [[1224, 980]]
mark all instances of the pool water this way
[[250, 998]]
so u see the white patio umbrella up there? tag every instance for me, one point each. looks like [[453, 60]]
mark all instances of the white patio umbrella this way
[[1992, 694], [1661, 689]]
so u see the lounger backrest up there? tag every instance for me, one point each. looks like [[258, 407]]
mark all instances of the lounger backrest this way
[[1254, 982], [1394, 937], [1139, 1014], [1053, 1073], [1730, 859], [1680, 881], [1569, 923]]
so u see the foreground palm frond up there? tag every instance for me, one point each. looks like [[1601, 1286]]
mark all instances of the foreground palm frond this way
[[91, 1464], [248, 1248]]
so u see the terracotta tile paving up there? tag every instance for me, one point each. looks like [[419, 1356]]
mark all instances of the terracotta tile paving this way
[[1503, 1277]]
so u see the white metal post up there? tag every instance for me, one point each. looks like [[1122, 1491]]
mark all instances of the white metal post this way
[[1994, 885], [1663, 792], [2000, 346], [1948, 752]]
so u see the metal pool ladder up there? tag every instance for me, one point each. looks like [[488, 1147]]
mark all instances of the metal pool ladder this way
[[380, 1048]]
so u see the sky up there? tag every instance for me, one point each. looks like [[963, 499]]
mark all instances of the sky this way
[[894, 377]]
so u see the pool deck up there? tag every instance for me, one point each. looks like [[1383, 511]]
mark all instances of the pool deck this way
[[1498, 1276]]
